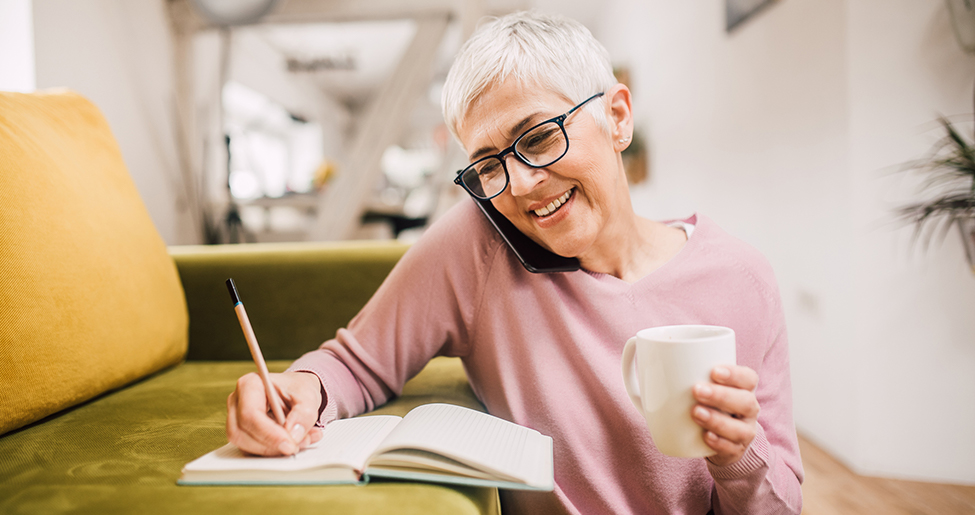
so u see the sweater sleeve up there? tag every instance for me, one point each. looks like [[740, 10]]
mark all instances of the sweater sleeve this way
[[767, 478], [421, 310]]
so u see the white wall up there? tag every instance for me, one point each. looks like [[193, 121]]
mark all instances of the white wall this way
[[916, 311], [780, 132], [118, 53], [16, 46]]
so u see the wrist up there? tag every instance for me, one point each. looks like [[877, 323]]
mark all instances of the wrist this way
[[315, 382], [755, 457]]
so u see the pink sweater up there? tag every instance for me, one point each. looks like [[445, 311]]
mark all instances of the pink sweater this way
[[543, 350]]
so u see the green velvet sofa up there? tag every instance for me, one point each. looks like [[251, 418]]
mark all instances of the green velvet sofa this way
[[117, 354], [123, 451]]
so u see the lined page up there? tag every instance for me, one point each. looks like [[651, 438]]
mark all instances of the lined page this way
[[345, 443], [476, 439]]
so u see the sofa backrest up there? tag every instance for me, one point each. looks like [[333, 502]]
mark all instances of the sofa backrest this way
[[89, 298], [297, 294]]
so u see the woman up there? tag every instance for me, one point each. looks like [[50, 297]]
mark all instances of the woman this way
[[533, 101]]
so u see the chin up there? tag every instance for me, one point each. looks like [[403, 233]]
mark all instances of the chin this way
[[561, 239], [564, 247]]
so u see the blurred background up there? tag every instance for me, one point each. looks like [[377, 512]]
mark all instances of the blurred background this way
[[788, 122]]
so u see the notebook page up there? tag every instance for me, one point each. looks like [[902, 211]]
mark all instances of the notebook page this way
[[346, 443], [407, 459], [476, 439]]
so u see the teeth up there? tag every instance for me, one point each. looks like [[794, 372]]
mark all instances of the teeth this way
[[555, 204]]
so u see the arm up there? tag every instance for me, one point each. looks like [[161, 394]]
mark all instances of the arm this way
[[757, 468], [422, 310], [412, 317]]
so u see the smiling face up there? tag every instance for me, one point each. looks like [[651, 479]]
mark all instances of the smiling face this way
[[576, 207]]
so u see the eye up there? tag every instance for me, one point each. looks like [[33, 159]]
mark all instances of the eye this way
[[489, 168], [540, 139]]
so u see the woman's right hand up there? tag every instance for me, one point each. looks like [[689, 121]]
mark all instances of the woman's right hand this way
[[252, 430]]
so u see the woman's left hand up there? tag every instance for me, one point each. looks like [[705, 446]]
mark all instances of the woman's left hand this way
[[728, 412]]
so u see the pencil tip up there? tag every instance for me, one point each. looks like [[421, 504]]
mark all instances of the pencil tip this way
[[233, 291]]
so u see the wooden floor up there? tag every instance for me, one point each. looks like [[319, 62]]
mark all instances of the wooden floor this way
[[832, 489]]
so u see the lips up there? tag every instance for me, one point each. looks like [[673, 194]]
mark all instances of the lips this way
[[554, 205]]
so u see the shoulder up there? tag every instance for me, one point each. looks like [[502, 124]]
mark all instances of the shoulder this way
[[736, 286], [463, 218], [733, 257], [460, 238]]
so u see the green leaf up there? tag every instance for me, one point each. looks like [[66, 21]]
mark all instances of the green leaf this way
[[949, 178]]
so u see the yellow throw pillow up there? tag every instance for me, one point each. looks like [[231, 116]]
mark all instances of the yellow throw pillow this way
[[89, 298]]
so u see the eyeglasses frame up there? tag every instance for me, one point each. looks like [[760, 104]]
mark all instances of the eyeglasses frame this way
[[501, 156]]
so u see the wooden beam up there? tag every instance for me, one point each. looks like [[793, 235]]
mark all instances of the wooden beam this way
[[187, 147], [321, 11], [330, 11], [341, 206]]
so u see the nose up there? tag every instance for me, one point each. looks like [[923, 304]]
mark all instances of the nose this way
[[522, 179]]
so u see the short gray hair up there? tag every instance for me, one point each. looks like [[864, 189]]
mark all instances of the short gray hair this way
[[551, 52]]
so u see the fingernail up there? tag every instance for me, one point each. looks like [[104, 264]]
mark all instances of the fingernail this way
[[704, 390], [297, 432], [287, 448], [702, 413], [722, 372]]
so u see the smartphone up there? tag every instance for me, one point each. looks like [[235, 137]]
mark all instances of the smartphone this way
[[534, 257]]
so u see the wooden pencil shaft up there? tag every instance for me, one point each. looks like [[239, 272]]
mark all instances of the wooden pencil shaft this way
[[272, 394]]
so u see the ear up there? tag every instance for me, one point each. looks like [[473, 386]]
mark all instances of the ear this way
[[620, 116]]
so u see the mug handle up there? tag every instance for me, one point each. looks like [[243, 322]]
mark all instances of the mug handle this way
[[629, 352]]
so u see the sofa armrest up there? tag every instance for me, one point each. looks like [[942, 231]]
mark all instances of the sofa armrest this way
[[297, 294]]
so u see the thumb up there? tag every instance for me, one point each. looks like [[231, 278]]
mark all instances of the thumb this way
[[301, 418]]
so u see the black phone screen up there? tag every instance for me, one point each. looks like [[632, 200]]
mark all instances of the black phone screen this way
[[534, 257]]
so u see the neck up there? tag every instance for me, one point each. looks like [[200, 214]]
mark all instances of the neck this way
[[633, 248]]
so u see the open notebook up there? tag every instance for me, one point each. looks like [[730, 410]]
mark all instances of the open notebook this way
[[439, 443]]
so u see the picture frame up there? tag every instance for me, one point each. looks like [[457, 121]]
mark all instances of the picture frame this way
[[738, 11]]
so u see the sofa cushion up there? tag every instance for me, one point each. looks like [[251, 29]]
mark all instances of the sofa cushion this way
[[123, 453], [89, 297]]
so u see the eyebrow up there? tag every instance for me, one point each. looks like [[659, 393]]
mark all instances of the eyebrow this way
[[515, 129]]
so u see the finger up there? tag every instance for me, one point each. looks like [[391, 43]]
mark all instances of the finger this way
[[300, 419], [313, 435], [237, 437], [260, 447], [728, 428], [303, 401], [260, 433], [726, 449], [735, 376], [734, 401], [232, 417]]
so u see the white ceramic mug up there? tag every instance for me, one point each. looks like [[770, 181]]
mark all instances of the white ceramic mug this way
[[660, 367]]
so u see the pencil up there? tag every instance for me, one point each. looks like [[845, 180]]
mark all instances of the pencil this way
[[245, 324]]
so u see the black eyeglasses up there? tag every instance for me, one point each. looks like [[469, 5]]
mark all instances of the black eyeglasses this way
[[538, 147]]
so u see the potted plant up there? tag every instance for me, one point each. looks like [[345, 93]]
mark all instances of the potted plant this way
[[949, 190]]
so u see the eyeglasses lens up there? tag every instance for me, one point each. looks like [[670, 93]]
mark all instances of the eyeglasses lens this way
[[486, 177], [543, 145]]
